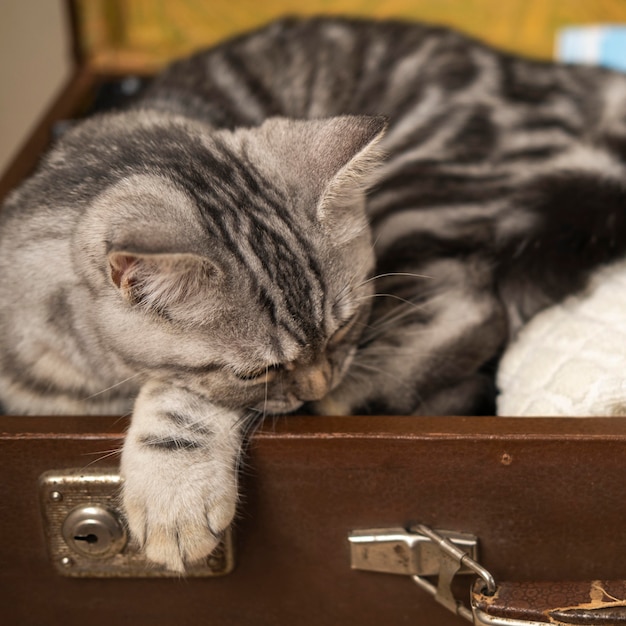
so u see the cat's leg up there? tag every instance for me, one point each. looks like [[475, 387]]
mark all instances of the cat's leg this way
[[179, 468], [430, 352]]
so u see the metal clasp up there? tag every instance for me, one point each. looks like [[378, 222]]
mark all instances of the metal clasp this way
[[453, 560], [401, 551], [420, 552]]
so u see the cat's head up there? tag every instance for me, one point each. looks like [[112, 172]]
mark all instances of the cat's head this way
[[235, 262]]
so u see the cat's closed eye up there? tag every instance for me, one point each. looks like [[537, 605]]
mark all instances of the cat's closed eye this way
[[261, 375], [341, 333]]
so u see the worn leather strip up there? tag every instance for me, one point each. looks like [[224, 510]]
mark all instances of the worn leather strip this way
[[576, 603]]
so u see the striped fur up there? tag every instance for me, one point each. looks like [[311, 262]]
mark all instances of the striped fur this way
[[211, 255]]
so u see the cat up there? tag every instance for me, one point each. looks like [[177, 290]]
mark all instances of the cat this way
[[329, 215]]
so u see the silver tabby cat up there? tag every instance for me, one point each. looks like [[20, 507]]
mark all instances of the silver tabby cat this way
[[210, 255]]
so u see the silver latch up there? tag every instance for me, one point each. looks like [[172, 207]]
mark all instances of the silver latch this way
[[420, 552], [401, 551]]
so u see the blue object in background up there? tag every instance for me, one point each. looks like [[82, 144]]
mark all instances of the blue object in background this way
[[593, 45]]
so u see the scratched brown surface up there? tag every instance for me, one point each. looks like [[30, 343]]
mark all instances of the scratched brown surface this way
[[579, 602]]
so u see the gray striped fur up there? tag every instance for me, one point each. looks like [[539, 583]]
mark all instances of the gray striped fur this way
[[353, 216]]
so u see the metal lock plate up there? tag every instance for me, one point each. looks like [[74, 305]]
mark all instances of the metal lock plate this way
[[398, 551], [87, 536]]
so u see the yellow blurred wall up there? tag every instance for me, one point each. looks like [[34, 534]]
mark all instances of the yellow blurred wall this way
[[145, 34]]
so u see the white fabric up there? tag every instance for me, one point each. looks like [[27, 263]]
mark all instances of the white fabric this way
[[570, 360]]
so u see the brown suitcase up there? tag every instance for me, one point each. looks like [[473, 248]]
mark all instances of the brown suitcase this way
[[542, 497]]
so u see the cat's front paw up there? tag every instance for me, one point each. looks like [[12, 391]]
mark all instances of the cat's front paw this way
[[176, 508]]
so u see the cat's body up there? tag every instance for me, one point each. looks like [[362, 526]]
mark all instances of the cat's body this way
[[214, 256]]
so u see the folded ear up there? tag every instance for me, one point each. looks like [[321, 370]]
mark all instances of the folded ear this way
[[161, 281], [350, 148], [328, 158]]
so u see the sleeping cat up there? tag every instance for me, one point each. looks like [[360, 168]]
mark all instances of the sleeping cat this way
[[210, 255]]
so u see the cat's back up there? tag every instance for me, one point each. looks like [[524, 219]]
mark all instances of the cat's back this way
[[474, 132], [311, 68], [325, 66]]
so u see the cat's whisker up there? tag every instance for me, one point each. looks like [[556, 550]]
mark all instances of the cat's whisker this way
[[266, 390], [121, 382], [122, 417], [112, 450], [254, 409], [376, 240], [389, 295], [391, 319], [379, 370], [388, 274], [369, 371], [349, 289], [102, 455], [410, 307], [250, 422]]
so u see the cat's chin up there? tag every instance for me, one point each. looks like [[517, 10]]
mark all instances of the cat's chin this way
[[275, 407], [329, 406]]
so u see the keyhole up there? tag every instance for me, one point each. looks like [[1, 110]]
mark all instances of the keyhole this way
[[94, 532], [90, 538]]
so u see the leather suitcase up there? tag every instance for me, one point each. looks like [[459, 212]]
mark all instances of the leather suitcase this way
[[328, 528], [543, 497]]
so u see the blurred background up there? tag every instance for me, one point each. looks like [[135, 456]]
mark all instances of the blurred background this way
[[140, 36], [35, 62]]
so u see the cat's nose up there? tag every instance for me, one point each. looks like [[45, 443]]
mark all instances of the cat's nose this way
[[312, 382]]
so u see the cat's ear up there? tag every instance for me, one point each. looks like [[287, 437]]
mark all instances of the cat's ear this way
[[160, 281], [352, 154], [327, 157], [347, 146]]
